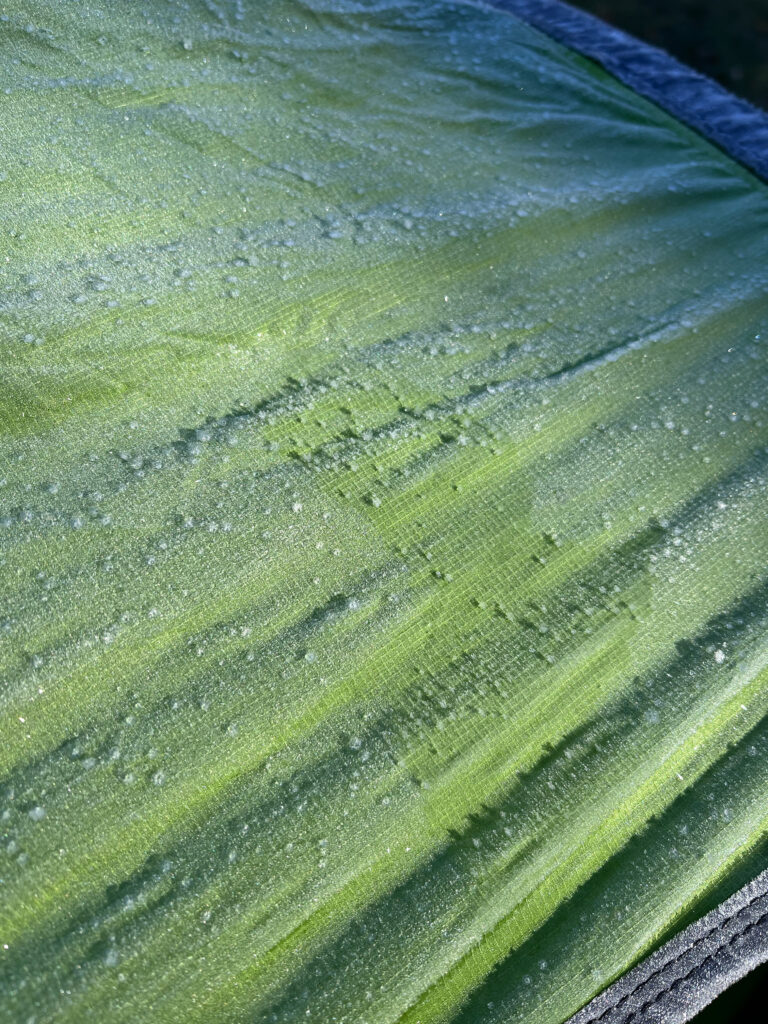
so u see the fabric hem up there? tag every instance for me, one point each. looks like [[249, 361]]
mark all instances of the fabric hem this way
[[677, 981], [731, 123]]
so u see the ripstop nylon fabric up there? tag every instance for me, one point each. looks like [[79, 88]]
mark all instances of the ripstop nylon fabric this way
[[382, 523]]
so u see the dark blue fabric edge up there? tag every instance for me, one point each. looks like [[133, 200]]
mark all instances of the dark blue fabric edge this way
[[731, 123]]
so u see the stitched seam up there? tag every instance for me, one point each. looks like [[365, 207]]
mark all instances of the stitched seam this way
[[675, 959], [710, 956]]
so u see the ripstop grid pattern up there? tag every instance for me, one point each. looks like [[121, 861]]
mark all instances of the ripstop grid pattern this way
[[382, 523]]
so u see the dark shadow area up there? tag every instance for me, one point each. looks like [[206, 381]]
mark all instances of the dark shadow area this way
[[727, 41], [742, 1001]]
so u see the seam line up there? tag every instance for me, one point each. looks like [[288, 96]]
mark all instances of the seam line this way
[[675, 959]]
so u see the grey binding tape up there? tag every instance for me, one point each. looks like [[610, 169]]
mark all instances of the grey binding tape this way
[[733, 124], [680, 979]]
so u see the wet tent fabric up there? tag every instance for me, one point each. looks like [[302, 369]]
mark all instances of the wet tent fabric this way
[[383, 506], [690, 970]]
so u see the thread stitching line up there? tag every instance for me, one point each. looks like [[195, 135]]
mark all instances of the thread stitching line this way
[[670, 963]]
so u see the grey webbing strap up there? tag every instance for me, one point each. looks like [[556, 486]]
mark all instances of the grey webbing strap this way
[[680, 979]]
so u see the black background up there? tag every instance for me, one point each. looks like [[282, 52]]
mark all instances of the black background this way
[[726, 39]]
